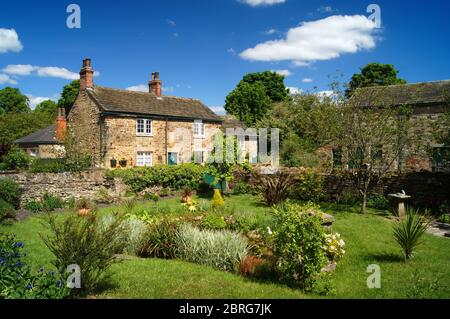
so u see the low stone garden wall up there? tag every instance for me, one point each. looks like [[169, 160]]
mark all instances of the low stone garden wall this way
[[65, 185]]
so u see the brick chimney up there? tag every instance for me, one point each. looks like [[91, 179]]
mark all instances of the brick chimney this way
[[61, 124], [86, 75], [155, 84]]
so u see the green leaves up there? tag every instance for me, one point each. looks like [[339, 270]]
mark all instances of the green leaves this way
[[13, 101], [409, 230]]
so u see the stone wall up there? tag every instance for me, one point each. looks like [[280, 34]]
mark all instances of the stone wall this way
[[66, 185]]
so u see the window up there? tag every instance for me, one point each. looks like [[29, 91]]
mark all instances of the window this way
[[337, 157], [199, 157], [144, 127], [441, 159], [144, 159], [199, 129], [172, 158]]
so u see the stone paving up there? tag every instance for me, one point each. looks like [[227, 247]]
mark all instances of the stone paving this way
[[439, 229]]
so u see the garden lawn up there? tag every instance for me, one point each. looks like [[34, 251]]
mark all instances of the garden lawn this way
[[368, 240]]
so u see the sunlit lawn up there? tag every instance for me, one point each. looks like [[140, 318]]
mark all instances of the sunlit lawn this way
[[368, 240]]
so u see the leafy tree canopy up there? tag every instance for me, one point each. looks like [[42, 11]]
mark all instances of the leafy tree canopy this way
[[68, 95], [254, 95], [273, 84], [374, 74], [13, 101], [47, 106], [17, 125], [248, 102]]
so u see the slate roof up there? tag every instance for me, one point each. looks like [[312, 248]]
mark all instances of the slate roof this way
[[44, 136], [131, 102], [416, 94]]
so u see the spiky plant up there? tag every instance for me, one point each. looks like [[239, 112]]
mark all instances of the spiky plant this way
[[409, 229]]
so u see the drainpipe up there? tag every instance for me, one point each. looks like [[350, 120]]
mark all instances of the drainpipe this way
[[167, 146], [101, 139]]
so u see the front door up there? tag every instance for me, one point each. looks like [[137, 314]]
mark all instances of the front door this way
[[172, 158]]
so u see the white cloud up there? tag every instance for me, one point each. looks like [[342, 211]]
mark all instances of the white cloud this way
[[326, 9], [47, 71], [35, 100], [326, 93], [284, 73], [19, 69], [138, 88], [307, 80], [270, 31], [218, 109], [9, 41], [231, 51], [171, 22], [323, 39], [5, 79], [256, 3], [294, 90], [56, 72]]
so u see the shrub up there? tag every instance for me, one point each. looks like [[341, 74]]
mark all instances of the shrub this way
[[9, 191], [223, 250], [347, 198], [249, 265], [213, 222], [60, 165], [378, 202], [16, 159], [168, 176], [83, 241], [34, 206], [298, 241], [217, 199], [334, 246], [17, 281], [51, 202], [274, 188], [444, 218], [408, 230], [84, 203], [102, 196], [159, 241], [135, 230], [6, 211], [151, 196], [241, 188], [308, 186]]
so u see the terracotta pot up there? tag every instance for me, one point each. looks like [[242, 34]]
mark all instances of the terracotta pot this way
[[186, 199], [83, 212]]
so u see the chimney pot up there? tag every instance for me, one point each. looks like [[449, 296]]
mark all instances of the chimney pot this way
[[86, 75], [155, 84]]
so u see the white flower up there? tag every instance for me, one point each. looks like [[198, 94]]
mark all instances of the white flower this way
[[341, 243], [269, 231]]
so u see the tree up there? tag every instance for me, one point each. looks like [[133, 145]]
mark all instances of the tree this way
[[48, 106], [12, 100], [374, 137], [248, 102], [68, 95], [254, 96], [374, 74], [273, 84]]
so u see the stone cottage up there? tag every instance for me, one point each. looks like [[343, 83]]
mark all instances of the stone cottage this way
[[126, 128], [429, 101]]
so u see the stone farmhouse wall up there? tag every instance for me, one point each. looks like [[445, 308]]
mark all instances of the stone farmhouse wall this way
[[115, 136], [84, 184]]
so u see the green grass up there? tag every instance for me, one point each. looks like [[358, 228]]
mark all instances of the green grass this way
[[368, 240]]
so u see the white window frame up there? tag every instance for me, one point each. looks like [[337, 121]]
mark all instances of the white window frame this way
[[34, 152], [146, 123], [199, 126], [146, 160]]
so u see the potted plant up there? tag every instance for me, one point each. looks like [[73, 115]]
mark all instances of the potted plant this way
[[123, 162], [187, 195], [113, 162], [84, 207]]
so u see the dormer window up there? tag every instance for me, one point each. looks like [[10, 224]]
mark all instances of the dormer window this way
[[144, 127], [199, 129]]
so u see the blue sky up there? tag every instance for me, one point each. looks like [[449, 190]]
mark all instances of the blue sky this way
[[203, 48]]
